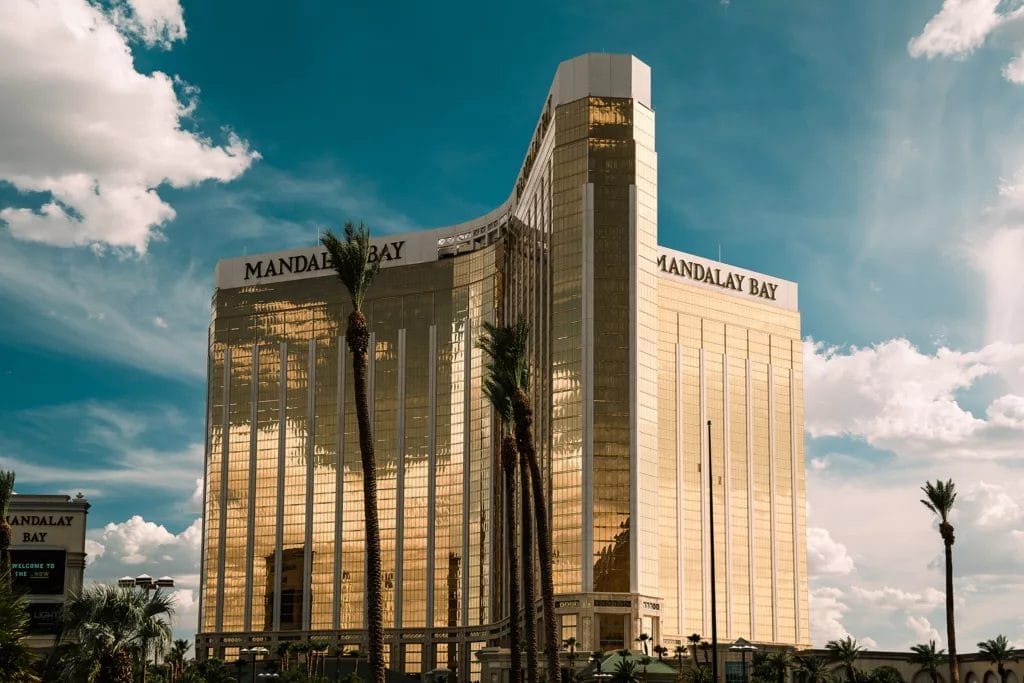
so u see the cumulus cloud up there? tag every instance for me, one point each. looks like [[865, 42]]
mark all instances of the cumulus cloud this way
[[959, 28], [962, 26], [826, 611], [896, 397], [93, 134], [155, 22], [922, 630], [889, 598], [825, 555], [137, 546]]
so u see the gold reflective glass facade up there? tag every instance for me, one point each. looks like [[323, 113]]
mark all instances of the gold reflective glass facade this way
[[738, 364], [629, 364]]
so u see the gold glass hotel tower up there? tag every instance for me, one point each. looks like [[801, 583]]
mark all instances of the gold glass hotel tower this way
[[634, 348]]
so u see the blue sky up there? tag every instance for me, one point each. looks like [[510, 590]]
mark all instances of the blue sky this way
[[870, 151]]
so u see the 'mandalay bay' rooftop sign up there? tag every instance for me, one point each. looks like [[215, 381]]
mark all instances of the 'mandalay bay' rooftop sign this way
[[725, 278]]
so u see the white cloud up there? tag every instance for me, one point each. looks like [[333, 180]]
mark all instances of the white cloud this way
[[137, 546], [114, 448], [81, 124], [889, 598], [826, 612], [155, 22], [991, 505], [825, 555], [896, 397], [997, 257], [962, 26], [922, 629], [197, 494], [959, 28]]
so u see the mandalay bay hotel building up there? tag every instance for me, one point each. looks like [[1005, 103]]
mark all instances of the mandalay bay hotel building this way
[[634, 347]]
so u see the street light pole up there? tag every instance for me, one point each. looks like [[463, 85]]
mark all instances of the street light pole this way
[[711, 529], [147, 584], [743, 646], [255, 652]]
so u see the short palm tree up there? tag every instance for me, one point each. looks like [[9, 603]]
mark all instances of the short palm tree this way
[[998, 651], [351, 260], [625, 672], [108, 622], [6, 491], [216, 671], [506, 345], [176, 658], [940, 497], [502, 404], [570, 645], [694, 640], [679, 652], [845, 652], [16, 659], [779, 662], [644, 640], [661, 651], [813, 669], [928, 658]]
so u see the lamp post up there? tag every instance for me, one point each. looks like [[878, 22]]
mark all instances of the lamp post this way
[[147, 583], [711, 529], [255, 652], [743, 646]]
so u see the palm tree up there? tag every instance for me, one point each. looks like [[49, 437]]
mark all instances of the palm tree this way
[[176, 658], [661, 651], [570, 645], [694, 640], [779, 662], [625, 672], [6, 491], [998, 651], [939, 499], [506, 346], [813, 669], [643, 639], [108, 621], [351, 261], [502, 404], [16, 659], [215, 671], [845, 652], [680, 652], [929, 658], [529, 583], [517, 372]]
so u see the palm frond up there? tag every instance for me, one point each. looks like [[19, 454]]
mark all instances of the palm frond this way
[[350, 258], [6, 489], [940, 497]]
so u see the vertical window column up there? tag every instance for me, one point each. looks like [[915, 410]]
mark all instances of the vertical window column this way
[[222, 531]]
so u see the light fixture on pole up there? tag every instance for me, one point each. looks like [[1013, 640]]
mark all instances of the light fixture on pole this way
[[743, 646], [255, 652], [146, 583]]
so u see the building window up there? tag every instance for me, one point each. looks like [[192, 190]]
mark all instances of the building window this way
[[569, 627]]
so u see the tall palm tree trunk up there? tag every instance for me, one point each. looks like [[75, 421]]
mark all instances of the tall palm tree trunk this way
[[946, 529], [529, 584], [6, 491], [509, 456], [358, 337], [524, 441]]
